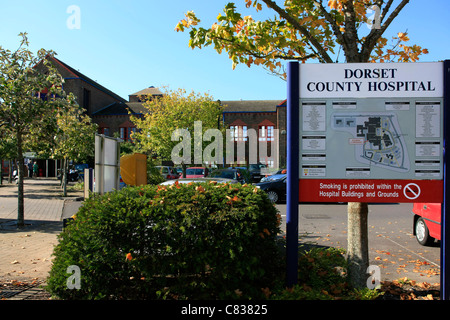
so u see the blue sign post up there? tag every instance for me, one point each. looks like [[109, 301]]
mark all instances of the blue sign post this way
[[293, 109], [445, 232]]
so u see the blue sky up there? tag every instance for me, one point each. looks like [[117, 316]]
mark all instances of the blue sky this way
[[130, 45]]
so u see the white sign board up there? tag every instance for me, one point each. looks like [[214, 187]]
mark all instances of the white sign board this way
[[107, 164], [370, 80], [368, 122]]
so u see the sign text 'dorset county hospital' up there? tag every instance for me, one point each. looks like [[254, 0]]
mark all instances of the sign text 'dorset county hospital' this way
[[371, 80]]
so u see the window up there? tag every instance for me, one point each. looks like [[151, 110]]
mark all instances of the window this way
[[239, 133], [86, 99], [125, 133], [104, 130], [266, 133]]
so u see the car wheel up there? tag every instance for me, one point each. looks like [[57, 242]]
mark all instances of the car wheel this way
[[273, 196], [422, 233]]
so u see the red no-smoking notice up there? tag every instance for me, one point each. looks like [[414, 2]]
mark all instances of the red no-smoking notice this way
[[387, 191]]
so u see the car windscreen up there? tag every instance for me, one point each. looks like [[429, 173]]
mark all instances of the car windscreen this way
[[195, 171], [223, 174]]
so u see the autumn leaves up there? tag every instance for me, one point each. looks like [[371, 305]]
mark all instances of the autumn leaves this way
[[421, 267], [303, 30]]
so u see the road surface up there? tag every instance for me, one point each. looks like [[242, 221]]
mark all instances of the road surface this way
[[392, 245]]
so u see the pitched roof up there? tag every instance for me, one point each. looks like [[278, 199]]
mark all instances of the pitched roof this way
[[148, 91], [241, 106], [251, 105], [72, 73], [120, 108]]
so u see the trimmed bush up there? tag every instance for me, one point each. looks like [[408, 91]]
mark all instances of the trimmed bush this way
[[197, 241]]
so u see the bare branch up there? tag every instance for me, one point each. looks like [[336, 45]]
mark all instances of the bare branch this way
[[332, 22], [385, 10], [394, 13], [294, 22], [375, 34]]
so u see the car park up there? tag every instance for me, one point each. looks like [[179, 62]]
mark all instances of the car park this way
[[275, 188], [427, 222], [168, 172], [198, 180]]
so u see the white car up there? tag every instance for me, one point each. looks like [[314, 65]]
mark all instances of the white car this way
[[198, 180]]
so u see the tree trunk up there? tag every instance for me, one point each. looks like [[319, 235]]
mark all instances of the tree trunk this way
[[358, 244], [357, 238], [183, 166], [64, 177], [10, 171], [20, 198]]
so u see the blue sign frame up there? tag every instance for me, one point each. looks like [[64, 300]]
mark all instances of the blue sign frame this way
[[445, 232], [292, 191]]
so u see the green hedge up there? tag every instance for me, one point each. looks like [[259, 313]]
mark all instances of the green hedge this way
[[198, 241]]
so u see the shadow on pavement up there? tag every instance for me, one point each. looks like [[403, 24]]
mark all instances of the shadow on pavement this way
[[31, 225]]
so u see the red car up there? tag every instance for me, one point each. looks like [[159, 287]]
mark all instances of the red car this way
[[196, 172], [427, 222]]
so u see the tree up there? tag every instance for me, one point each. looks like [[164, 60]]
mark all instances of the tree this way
[[305, 30], [311, 30], [74, 135], [23, 109], [7, 150], [174, 116]]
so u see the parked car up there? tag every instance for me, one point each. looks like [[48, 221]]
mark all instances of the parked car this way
[[275, 188], [196, 172], [198, 180], [168, 172], [427, 222], [255, 171], [279, 174], [239, 174]]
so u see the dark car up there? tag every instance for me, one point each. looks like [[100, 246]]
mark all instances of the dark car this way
[[275, 176], [275, 188], [241, 175], [255, 171]]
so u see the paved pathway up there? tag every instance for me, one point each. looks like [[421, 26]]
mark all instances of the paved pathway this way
[[42, 202], [25, 254]]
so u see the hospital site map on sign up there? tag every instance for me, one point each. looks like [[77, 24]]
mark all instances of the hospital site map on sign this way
[[377, 139]]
